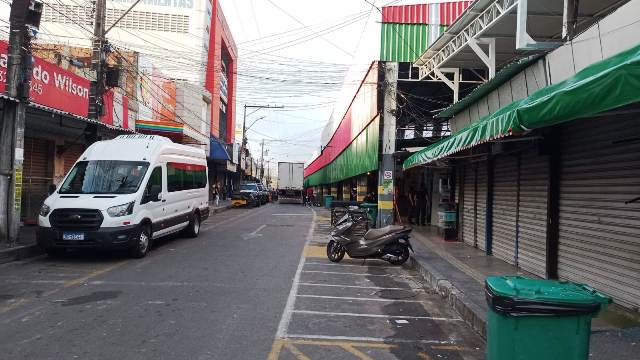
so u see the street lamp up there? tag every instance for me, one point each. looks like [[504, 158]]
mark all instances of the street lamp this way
[[244, 129]]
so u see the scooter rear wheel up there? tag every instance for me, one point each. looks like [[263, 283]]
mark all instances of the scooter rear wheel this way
[[400, 254], [335, 251]]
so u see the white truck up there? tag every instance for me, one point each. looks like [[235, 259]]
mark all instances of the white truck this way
[[290, 182]]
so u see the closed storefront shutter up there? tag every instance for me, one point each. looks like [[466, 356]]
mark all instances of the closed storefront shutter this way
[[532, 213], [481, 207], [469, 205], [599, 234], [71, 154], [505, 194], [37, 174]]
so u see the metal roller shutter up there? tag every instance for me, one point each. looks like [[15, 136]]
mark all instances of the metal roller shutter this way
[[532, 212], [599, 234], [37, 174], [71, 154], [469, 205], [481, 206], [505, 194]]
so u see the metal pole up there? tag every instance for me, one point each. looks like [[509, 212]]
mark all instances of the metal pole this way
[[242, 144]]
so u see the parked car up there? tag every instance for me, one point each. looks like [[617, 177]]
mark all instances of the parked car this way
[[245, 199], [124, 193], [253, 188]]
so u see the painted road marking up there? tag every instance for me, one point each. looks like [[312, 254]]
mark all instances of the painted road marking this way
[[360, 299], [353, 265], [297, 353], [358, 287], [359, 274], [329, 313], [286, 315], [254, 234], [372, 340], [314, 251], [310, 214]]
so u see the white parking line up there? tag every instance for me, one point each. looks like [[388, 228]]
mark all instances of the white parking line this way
[[359, 287], [291, 300], [327, 313], [372, 339], [351, 265], [360, 299], [360, 274]]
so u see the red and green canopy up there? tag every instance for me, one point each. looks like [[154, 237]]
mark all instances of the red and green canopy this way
[[602, 86]]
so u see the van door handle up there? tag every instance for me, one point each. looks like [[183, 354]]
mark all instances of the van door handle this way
[[164, 200]]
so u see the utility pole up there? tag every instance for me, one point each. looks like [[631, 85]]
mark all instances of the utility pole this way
[[243, 144], [98, 60], [262, 160], [24, 20]]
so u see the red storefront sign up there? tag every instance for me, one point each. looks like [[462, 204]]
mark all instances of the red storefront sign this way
[[52, 86]]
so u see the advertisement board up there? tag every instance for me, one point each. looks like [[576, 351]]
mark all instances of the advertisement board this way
[[52, 86], [156, 93]]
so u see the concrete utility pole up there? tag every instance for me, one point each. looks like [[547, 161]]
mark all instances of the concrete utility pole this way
[[97, 65], [262, 160], [24, 20], [387, 162]]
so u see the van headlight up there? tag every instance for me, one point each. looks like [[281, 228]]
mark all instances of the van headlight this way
[[44, 210], [121, 210]]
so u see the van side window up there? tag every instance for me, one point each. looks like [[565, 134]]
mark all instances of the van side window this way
[[154, 185], [182, 176]]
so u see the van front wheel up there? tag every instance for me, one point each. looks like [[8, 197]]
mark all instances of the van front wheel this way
[[193, 229], [143, 242]]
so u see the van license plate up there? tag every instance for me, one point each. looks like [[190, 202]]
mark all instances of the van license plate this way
[[72, 236]]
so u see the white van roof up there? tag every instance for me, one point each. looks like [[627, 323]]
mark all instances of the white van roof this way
[[139, 148]]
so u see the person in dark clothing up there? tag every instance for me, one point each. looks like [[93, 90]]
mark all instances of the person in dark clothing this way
[[421, 205], [413, 216]]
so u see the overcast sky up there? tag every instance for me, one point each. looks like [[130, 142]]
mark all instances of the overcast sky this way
[[296, 54]]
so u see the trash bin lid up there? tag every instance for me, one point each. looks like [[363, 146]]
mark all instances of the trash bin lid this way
[[368, 205], [520, 295]]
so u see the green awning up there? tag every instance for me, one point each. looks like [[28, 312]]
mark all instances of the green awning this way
[[602, 86]]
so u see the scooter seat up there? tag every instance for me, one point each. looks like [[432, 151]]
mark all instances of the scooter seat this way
[[378, 233]]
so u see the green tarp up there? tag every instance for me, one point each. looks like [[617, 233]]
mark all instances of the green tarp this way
[[603, 86], [358, 158]]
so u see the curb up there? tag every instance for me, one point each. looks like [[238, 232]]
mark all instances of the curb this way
[[19, 253], [217, 210], [467, 310]]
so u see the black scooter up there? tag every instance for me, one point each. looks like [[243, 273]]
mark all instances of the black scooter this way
[[390, 243]]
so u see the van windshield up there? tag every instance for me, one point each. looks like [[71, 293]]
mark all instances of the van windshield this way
[[104, 177]]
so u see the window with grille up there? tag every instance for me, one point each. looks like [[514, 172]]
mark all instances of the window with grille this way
[[138, 20]]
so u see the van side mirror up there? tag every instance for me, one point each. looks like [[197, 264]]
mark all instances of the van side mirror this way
[[153, 193]]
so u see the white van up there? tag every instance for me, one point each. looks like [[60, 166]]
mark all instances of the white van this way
[[125, 192]]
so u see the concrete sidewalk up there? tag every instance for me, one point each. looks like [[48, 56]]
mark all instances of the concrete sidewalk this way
[[26, 246], [457, 272]]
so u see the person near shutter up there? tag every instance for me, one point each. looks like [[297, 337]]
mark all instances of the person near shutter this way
[[421, 205], [216, 194], [413, 215]]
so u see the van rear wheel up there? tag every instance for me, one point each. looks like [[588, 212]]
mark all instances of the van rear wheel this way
[[193, 229]]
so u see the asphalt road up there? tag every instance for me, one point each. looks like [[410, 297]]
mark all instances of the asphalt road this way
[[226, 295]]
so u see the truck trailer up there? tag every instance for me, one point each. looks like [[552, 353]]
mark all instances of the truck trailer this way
[[290, 183]]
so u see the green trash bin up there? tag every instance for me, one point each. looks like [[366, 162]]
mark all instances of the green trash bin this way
[[328, 200], [539, 319], [372, 212]]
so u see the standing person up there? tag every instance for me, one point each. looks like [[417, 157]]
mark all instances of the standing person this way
[[421, 202], [413, 211], [216, 194]]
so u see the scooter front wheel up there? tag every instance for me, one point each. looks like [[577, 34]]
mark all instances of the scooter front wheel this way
[[335, 251]]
